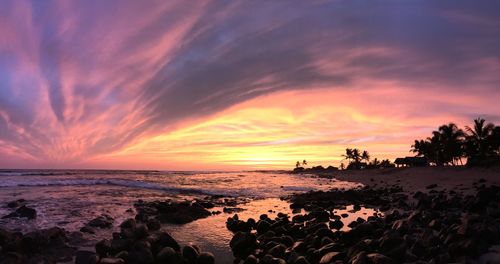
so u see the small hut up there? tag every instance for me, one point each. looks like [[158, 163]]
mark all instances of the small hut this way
[[411, 162]]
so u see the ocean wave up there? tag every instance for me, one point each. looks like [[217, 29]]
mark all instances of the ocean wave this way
[[113, 182]]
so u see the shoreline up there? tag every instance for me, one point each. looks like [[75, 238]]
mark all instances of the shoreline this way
[[325, 209]]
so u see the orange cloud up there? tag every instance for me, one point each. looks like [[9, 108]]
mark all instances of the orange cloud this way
[[276, 130]]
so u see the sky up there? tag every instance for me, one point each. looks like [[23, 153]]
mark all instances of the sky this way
[[228, 85]]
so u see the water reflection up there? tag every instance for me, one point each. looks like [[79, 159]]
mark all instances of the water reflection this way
[[212, 235]]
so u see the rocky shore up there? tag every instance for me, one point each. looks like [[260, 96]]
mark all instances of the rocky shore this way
[[442, 226], [432, 224], [140, 240]]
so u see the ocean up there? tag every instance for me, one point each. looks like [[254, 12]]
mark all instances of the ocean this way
[[71, 198]]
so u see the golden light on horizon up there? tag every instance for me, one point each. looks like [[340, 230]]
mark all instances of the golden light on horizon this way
[[274, 131]]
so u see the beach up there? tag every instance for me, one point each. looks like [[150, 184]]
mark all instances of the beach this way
[[338, 202]]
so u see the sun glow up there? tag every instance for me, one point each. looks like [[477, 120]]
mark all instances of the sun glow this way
[[274, 131]]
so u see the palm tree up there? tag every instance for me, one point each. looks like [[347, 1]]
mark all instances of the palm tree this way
[[304, 162], [297, 164], [477, 140], [356, 156], [348, 154], [450, 139], [386, 163], [443, 147], [494, 141], [365, 156]]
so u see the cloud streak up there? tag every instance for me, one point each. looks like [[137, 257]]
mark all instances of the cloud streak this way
[[80, 80]]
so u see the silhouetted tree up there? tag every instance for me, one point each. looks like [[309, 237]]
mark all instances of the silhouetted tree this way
[[297, 164], [304, 162], [365, 156], [451, 142], [356, 155], [348, 154], [479, 141]]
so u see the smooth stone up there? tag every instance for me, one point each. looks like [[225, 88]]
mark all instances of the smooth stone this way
[[330, 257], [111, 261], [169, 255], [377, 258], [128, 223], [205, 258], [301, 260], [85, 257], [23, 211], [190, 253], [251, 259], [103, 221]]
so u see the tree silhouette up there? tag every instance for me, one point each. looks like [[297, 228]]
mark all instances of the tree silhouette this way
[[348, 154], [450, 141], [356, 155], [479, 141], [480, 144], [365, 156]]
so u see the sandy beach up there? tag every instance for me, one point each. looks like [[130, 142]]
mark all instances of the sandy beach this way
[[418, 178]]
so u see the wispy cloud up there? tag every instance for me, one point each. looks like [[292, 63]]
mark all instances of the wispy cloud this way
[[85, 79]]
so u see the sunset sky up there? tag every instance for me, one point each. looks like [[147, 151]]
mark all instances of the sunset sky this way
[[225, 85]]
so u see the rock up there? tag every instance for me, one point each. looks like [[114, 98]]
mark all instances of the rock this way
[[243, 243], [87, 229], [287, 241], [172, 212], [103, 221], [336, 224], [23, 211], [377, 258], [141, 254], [85, 257], [169, 255], [205, 258], [141, 231], [123, 255], [206, 204], [251, 259], [164, 239], [232, 210], [301, 260], [15, 204], [236, 225], [344, 215], [190, 253], [153, 224], [103, 247], [121, 244], [129, 223], [111, 261], [432, 186], [263, 226], [331, 257], [360, 258], [400, 225], [277, 251], [332, 247]]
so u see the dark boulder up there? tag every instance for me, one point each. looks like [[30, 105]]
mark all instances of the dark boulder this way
[[243, 244], [23, 211], [169, 255], [85, 257], [205, 258], [103, 221]]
